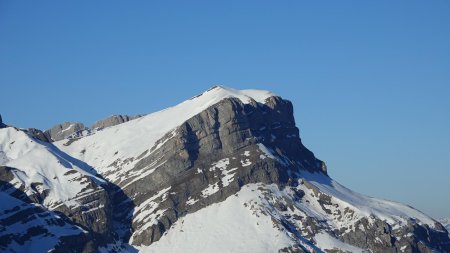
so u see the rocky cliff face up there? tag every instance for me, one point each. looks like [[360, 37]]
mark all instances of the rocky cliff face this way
[[64, 130], [240, 147], [75, 130], [113, 121]]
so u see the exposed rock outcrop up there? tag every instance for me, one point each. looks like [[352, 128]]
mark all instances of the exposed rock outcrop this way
[[64, 130], [113, 120], [37, 134]]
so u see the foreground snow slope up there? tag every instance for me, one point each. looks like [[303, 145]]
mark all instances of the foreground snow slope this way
[[235, 225], [255, 220]]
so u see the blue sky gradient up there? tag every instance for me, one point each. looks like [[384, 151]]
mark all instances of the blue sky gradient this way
[[369, 80]]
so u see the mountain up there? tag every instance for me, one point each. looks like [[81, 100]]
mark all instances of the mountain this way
[[71, 130], [223, 171], [64, 130]]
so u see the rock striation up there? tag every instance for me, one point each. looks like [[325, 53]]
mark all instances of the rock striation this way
[[113, 121], [64, 130]]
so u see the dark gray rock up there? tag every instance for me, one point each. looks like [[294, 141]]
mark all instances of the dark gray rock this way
[[113, 120], [380, 237], [1, 122], [93, 217], [27, 223], [64, 130], [37, 134]]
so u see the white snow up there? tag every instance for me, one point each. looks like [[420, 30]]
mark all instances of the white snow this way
[[210, 190], [218, 227], [41, 163], [144, 211], [132, 138], [227, 175], [394, 213], [221, 164], [229, 226], [148, 213], [246, 162], [249, 214], [327, 242], [191, 201], [70, 127]]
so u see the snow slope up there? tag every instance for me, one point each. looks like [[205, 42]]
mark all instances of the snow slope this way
[[244, 222], [253, 214], [235, 225], [129, 140], [396, 214], [40, 167]]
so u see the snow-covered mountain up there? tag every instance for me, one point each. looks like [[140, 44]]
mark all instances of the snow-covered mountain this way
[[224, 171]]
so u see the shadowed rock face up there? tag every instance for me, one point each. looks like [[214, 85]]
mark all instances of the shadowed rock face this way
[[74, 130], [113, 120], [38, 134], [1, 122], [26, 222], [64, 130], [83, 228]]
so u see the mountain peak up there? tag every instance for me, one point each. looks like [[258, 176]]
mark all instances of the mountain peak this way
[[219, 92]]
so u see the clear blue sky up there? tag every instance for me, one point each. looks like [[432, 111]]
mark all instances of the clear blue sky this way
[[370, 80]]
